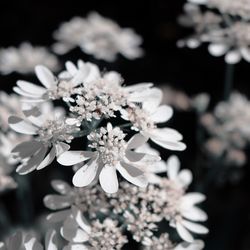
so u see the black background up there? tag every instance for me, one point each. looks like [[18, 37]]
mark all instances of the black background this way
[[192, 71]]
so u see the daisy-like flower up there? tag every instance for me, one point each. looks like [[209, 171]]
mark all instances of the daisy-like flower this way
[[21, 241], [145, 120], [164, 243], [111, 153], [240, 8], [55, 87], [98, 36], [181, 210], [95, 235], [88, 200], [49, 131], [25, 58]]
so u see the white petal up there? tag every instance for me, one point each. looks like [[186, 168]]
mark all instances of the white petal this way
[[86, 174], [108, 179], [138, 87], [132, 174], [70, 158], [45, 76], [162, 114], [61, 187], [217, 49], [25, 94], [185, 177], [165, 134], [191, 199], [61, 147], [194, 214], [194, 227], [50, 240], [136, 141], [31, 88], [58, 216], [22, 126], [72, 233], [233, 57], [80, 219], [151, 99], [48, 159], [173, 167], [245, 52], [183, 233], [33, 162], [171, 145], [55, 202]]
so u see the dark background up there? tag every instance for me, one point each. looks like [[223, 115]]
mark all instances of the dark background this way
[[192, 71]]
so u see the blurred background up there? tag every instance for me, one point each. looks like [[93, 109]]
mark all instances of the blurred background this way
[[190, 71]]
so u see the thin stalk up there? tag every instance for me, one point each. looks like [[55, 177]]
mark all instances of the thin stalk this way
[[229, 80]]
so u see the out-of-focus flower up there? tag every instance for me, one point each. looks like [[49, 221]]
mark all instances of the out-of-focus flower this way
[[175, 98], [111, 153], [200, 102], [21, 241], [240, 8], [205, 24], [233, 42], [98, 36], [50, 131], [25, 58], [164, 243]]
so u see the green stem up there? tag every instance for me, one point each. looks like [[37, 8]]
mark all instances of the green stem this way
[[229, 80]]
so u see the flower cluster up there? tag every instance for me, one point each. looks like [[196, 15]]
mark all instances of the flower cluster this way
[[226, 33], [97, 36], [229, 130], [134, 210], [25, 58]]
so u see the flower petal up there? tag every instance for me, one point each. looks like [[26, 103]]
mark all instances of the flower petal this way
[[48, 159], [136, 141], [58, 216], [31, 88], [132, 174], [70, 158], [194, 227], [61, 187], [183, 233], [45, 76], [21, 126], [51, 240], [162, 114], [55, 202], [86, 174], [173, 167], [108, 179], [233, 57]]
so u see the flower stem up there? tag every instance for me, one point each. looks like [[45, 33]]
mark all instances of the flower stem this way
[[229, 80]]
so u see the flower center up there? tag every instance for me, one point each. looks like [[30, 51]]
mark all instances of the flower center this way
[[140, 119], [56, 130], [109, 143]]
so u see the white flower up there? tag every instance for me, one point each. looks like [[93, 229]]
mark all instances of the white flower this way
[[25, 58], [98, 36], [181, 209], [91, 200], [53, 87], [145, 119], [239, 8], [21, 241], [233, 42], [50, 132], [111, 153], [164, 243], [82, 235], [204, 24]]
